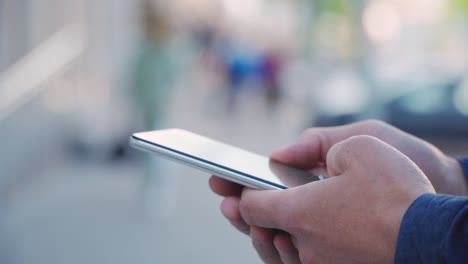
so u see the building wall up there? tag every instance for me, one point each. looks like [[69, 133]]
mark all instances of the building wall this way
[[33, 131]]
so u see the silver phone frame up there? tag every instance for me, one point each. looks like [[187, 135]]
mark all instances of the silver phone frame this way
[[153, 148]]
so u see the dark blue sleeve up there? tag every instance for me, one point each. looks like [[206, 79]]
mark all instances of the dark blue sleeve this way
[[464, 163], [434, 230]]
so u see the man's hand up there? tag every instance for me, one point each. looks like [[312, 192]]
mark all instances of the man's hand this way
[[310, 152], [353, 216], [311, 149]]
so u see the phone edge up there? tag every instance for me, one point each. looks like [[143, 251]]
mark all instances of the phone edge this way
[[142, 145]]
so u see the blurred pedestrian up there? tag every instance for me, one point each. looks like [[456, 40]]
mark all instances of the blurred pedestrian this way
[[153, 85], [270, 67], [154, 72]]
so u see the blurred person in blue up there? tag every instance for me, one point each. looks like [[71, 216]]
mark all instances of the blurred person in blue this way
[[244, 64], [153, 84], [241, 66], [388, 197]]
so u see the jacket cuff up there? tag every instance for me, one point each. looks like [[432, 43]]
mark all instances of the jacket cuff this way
[[429, 228]]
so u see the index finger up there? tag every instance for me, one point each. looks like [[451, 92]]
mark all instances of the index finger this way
[[313, 145], [224, 187]]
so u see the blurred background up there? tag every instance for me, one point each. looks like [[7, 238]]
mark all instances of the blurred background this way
[[78, 77]]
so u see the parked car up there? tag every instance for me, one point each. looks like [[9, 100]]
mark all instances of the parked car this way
[[433, 112]]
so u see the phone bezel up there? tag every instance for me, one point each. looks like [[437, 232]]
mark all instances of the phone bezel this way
[[204, 165]]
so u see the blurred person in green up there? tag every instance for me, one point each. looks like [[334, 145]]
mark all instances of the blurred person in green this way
[[155, 68], [153, 84]]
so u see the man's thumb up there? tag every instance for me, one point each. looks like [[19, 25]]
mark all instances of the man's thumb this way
[[359, 151]]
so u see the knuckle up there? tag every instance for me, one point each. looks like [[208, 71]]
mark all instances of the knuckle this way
[[356, 148], [375, 123], [307, 133], [374, 126]]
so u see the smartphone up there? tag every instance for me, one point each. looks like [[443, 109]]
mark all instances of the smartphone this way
[[220, 159]]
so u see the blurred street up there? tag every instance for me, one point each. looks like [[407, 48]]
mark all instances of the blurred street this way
[[82, 211]]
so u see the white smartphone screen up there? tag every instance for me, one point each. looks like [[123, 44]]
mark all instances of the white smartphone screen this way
[[221, 159]]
